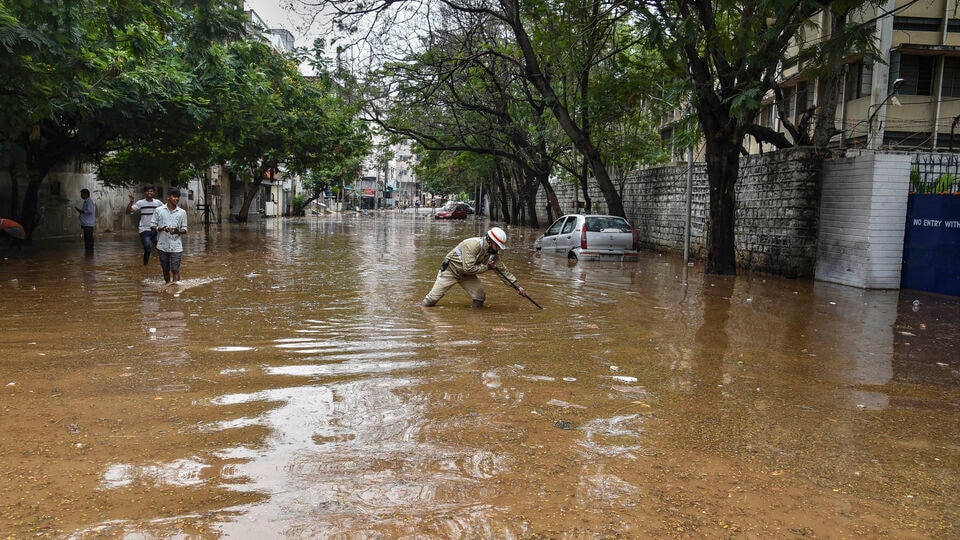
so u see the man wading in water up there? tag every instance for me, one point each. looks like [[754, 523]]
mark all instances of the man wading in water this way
[[170, 222], [471, 257]]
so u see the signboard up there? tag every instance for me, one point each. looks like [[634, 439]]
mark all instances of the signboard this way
[[931, 244]]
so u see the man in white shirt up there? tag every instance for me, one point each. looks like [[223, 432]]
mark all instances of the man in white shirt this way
[[88, 218], [147, 205], [170, 222]]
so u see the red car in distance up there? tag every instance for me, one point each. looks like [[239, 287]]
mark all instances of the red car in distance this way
[[453, 210]]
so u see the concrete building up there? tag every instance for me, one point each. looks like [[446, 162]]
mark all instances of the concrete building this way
[[406, 187], [906, 99], [388, 179]]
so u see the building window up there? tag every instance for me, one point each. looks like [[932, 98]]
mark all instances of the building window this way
[[916, 24], [787, 107], [951, 77], [859, 79], [917, 74], [804, 101], [766, 116]]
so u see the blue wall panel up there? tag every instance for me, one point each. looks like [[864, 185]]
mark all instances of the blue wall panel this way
[[931, 247]]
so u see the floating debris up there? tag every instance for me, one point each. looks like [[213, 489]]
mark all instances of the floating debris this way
[[491, 379], [565, 404]]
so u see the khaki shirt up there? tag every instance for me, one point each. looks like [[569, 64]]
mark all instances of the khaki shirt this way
[[470, 258]]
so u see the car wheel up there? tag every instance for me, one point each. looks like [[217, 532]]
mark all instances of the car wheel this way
[[571, 256]]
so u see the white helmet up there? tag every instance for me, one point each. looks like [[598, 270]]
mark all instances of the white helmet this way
[[498, 237]]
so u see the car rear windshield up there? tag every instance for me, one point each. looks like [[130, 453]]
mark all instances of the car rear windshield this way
[[607, 223]]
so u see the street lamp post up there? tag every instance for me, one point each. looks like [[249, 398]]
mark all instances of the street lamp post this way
[[871, 141], [953, 127]]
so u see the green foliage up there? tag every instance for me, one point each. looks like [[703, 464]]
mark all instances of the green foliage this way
[[916, 182], [80, 75], [945, 183], [300, 201], [444, 173], [153, 91]]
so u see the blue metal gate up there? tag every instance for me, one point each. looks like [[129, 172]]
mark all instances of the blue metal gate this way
[[931, 245]]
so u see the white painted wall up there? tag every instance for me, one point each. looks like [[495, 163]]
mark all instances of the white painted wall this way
[[863, 211]]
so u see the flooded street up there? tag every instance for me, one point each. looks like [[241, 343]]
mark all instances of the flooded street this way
[[291, 387]]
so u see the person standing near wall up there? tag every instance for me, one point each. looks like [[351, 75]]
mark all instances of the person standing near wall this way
[[88, 217], [147, 205], [170, 222]]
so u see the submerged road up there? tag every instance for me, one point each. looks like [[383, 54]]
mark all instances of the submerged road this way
[[291, 387]]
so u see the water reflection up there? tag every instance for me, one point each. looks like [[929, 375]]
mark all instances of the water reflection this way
[[292, 387]]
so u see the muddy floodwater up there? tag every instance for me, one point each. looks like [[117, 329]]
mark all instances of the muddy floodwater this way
[[291, 387]]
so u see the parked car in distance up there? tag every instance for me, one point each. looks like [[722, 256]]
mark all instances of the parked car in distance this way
[[589, 237], [453, 210]]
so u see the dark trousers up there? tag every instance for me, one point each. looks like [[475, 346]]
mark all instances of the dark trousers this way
[[148, 239], [87, 238]]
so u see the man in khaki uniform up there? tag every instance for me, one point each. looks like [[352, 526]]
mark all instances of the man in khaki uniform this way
[[471, 257]]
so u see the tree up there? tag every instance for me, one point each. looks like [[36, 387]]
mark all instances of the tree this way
[[463, 94], [444, 172], [515, 20], [278, 117], [616, 84], [247, 89], [80, 75], [731, 52]]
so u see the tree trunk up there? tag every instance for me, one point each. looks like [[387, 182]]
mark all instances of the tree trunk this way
[[723, 166], [504, 194], [529, 201], [248, 196], [553, 203], [824, 127], [30, 210], [585, 188], [516, 197], [267, 169], [11, 208], [532, 178]]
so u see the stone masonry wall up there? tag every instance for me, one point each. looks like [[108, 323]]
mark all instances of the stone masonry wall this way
[[777, 212]]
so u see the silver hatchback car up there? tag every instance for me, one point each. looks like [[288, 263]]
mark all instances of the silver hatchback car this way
[[589, 237]]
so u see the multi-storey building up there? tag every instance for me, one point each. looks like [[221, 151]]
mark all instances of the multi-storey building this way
[[907, 98]]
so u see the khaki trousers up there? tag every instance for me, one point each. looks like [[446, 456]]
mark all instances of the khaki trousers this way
[[447, 279]]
